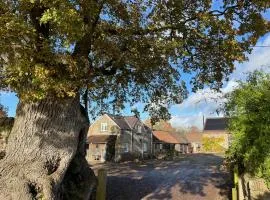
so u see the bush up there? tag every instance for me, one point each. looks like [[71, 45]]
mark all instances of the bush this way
[[249, 111], [212, 144]]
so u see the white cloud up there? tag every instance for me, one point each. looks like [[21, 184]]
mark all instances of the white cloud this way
[[258, 59], [187, 121], [206, 102]]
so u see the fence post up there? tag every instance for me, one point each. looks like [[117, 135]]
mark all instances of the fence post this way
[[235, 173], [235, 181], [234, 194], [102, 182]]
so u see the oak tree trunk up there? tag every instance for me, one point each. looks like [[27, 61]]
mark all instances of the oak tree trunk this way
[[45, 155]]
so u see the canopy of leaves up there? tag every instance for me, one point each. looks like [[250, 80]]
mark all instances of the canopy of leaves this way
[[160, 125], [123, 50], [249, 109]]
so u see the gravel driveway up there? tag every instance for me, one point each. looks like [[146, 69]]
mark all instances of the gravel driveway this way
[[193, 177]]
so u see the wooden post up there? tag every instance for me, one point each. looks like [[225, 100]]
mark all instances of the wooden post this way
[[235, 179], [235, 176], [234, 194], [102, 182]]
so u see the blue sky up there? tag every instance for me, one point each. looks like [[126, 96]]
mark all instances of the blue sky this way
[[203, 103], [197, 105]]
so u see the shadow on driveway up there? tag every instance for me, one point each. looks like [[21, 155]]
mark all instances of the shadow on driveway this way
[[196, 176]]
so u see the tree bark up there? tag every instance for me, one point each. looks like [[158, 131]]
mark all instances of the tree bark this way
[[45, 154]]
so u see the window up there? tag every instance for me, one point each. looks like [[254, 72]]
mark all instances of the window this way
[[144, 146], [126, 147], [139, 129], [104, 127], [160, 146]]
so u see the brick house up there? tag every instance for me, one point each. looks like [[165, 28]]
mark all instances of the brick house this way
[[118, 138], [215, 131]]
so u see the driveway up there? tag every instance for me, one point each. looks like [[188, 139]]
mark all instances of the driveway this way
[[193, 177]]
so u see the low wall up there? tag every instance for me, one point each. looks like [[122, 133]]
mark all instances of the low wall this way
[[250, 188]]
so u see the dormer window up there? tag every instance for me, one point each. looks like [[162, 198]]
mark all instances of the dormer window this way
[[104, 127]]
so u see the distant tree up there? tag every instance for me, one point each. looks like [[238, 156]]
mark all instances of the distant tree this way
[[194, 129], [117, 52], [160, 125], [182, 130], [249, 109], [136, 113], [3, 111]]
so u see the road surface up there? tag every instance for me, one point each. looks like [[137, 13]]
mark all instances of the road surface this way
[[194, 177]]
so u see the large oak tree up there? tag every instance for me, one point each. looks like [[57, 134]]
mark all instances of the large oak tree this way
[[123, 50]]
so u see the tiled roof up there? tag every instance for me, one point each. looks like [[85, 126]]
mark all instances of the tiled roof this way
[[213, 124], [166, 137], [194, 136], [97, 139], [179, 137], [120, 121], [131, 120]]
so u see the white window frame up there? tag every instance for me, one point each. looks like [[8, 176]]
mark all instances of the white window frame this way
[[104, 127], [126, 147], [139, 129]]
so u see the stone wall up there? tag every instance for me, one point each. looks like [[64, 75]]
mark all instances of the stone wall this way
[[96, 151], [251, 188], [131, 139], [218, 141], [95, 128]]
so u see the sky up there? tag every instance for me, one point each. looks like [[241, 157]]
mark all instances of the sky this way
[[199, 105], [205, 102]]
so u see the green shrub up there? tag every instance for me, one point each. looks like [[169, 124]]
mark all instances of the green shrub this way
[[249, 110], [213, 144]]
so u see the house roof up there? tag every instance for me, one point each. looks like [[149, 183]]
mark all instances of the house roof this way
[[120, 121], [167, 137], [124, 122], [213, 124], [99, 139], [131, 120], [179, 137], [194, 136]]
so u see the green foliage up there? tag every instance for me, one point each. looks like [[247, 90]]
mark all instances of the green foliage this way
[[136, 112], [3, 111], [123, 51], [249, 109], [213, 144], [160, 125]]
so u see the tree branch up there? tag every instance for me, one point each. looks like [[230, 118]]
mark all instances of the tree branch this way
[[104, 69], [83, 47], [220, 13]]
